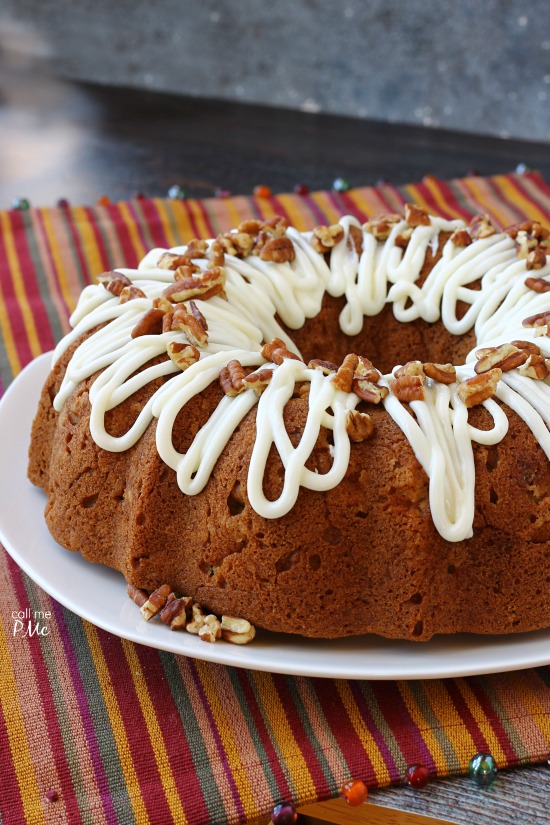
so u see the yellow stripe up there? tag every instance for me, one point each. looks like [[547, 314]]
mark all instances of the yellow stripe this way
[[155, 735], [431, 183], [530, 209], [367, 201], [416, 715], [369, 744], [282, 734], [69, 287], [301, 219], [458, 735], [117, 725], [5, 326], [130, 223], [415, 196], [90, 247], [323, 202], [517, 686], [173, 240], [484, 724], [235, 214], [19, 285], [182, 220], [224, 726], [479, 192], [202, 228], [17, 736]]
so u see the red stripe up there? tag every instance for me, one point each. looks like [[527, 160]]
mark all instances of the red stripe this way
[[11, 805], [273, 758], [55, 274], [406, 732], [465, 714], [139, 224], [130, 256], [515, 183], [451, 198], [174, 738], [154, 221], [357, 759], [206, 218], [295, 723], [49, 710], [105, 262], [191, 219], [430, 199], [476, 686], [70, 222], [135, 728], [13, 307]]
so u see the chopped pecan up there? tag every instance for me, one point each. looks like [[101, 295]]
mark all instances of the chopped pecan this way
[[506, 357], [163, 303], [324, 238], [326, 367], [525, 244], [237, 631], [531, 229], [408, 388], [216, 255], [359, 426], [366, 369], [231, 378], [475, 390], [368, 391], [196, 249], [527, 346], [535, 367], [136, 594], [211, 629], [403, 238], [251, 227], [276, 351], [186, 271], [538, 284], [346, 372], [461, 237], [410, 368], [183, 355], [169, 260], [196, 313], [197, 619], [416, 215], [114, 282], [149, 324], [129, 293], [237, 244], [442, 373], [156, 602], [381, 226], [177, 612], [258, 380], [481, 227], [276, 226], [278, 250], [541, 319], [202, 286], [536, 259], [355, 238], [167, 320], [184, 321]]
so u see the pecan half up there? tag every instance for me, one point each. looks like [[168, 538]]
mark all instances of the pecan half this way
[[258, 380], [461, 237], [155, 602], [538, 284], [366, 369], [410, 368], [346, 372], [203, 286], [184, 321], [381, 226], [442, 373], [481, 227], [368, 391], [138, 596], [231, 378], [216, 255], [506, 357], [276, 351], [475, 390], [196, 313], [196, 248], [169, 260], [527, 346], [535, 367], [211, 629], [278, 250], [324, 238], [114, 282], [541, 319], [149, 324], [416, 215], [237, 631], [536, 259], [176, 613], [408, 388], [326, 367], [183, 355], [359, 426], [129, 293], [186, 270]]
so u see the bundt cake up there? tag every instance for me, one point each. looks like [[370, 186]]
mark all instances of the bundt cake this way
[[326, 433]]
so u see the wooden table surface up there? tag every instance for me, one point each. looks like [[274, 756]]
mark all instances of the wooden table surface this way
[[80, 141]]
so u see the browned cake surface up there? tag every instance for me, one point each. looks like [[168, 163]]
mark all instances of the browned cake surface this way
[[362, 557]]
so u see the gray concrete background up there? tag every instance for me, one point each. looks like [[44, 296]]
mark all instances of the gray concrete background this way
[[479, 65]]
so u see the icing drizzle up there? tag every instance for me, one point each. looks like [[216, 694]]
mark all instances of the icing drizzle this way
[[260, 291]]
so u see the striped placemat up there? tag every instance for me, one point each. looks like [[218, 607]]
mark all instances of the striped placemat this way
[[94, 729]]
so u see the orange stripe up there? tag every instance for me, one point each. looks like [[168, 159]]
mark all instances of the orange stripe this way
[[482, 721], [324, 203], [203, 229], [484, 202], [17, 737], [225, 716], [117, 724], [513, 193], [7, 334], [133, 233], [67, 277], [155, 735], [19, 285], [422, 724], [368, 742], [368, 200], [89, 246], [52, 282], [166, 223]]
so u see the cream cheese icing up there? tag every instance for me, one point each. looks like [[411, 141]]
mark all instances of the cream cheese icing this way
[[257, 293]]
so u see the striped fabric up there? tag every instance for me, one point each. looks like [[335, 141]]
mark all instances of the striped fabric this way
[[94, 729]]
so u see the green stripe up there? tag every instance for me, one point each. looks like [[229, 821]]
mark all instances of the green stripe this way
[[383, 729], [505, 720]]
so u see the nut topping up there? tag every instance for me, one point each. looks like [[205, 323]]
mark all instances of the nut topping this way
[[169, 260], [183, 355], [359, 426], [258, 380], [231, 378], [535, 367], [196, 313], [114, 282], [355, 239], [481, 227], [155, 602], [410, 368], [149, 324], [382, 226], [184, 321], [507, 357], [443, 373], [408, 388], [211, 629], [129, 293], [366, 369], [368, 391], [346, 372], [536, 259], [278, 250], [475, 390], [461, 237], [416, 215], [527, 346], [538, 284], [196, 249], [324, 238], [210, 283], [138, 596], [326, 367], [176, 613], [541, 319], [277, 351]]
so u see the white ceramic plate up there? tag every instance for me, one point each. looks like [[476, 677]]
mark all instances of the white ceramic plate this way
[[76, 583]]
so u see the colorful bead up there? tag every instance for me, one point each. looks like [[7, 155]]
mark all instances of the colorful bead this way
[[417, 776], [176, 192], [22, 204], [62, 203], [222, 193], [522, 168], [262, 191], [340, 185], [354, 792], [301, 189], [284, 814], [103, 200], [482, 768], [139, 196]]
